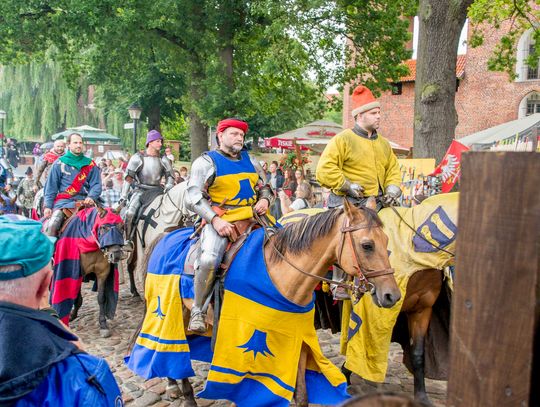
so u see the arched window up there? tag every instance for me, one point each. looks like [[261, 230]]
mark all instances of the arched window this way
[[530, 104], [526, 46]]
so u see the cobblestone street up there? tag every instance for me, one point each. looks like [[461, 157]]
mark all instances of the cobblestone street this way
[[138, 392]]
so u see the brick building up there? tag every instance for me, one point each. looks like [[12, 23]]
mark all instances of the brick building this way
[[484, 99]]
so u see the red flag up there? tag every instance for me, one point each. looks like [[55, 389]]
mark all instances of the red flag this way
[[450, 166]]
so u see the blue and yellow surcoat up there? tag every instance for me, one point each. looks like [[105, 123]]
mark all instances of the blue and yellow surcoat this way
[[234, 185]]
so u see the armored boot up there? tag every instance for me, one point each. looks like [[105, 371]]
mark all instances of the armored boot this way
[[339, 293], [210, 255], [197, 321], [55, 223], [203, 286]]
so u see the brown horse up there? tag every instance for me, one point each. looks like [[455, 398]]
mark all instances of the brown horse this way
[[423, 290], [94, 237], [299, 255], [422, 242]]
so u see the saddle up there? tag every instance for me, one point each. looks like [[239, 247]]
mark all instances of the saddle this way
[[68, 213], [242, 229]]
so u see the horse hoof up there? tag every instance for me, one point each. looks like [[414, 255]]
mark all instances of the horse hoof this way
[[73, 317], [173, 392], [104, 333], [424, 400], [135, 295]]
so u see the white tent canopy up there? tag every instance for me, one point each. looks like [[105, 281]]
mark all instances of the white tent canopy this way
[[316, 136], [522, 128]]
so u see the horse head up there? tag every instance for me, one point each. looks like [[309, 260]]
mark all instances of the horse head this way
[[363, 253], [110, 236]]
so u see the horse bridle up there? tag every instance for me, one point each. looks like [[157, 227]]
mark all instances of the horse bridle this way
[[363, 273], [359, 287]]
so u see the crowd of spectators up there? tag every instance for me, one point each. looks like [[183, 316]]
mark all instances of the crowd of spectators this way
[[294, 189]]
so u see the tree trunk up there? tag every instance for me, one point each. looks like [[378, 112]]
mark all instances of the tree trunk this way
[[435, 117], [154, 118], [198, 135]]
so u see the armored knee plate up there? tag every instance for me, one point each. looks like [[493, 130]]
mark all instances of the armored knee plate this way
[[55, 223]]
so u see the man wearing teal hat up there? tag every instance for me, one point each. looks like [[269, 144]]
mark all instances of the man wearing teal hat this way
[[40, 363]]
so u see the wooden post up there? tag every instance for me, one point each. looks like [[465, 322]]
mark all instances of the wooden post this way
[[495, 307]]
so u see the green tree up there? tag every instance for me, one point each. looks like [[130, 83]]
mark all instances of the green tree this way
[[435, 116], [265, 61], [520, 16], [40, 102]]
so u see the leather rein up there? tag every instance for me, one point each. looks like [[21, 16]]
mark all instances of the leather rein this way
[[359, 287]]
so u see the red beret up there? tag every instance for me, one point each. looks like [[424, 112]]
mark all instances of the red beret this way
[[226, 123]]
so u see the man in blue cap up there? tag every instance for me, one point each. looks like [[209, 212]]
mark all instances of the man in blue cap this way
[[73, 177], [40, 364]]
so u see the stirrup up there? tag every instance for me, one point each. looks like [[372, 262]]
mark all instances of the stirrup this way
[[128, 246], [197, 322], [339, 293]]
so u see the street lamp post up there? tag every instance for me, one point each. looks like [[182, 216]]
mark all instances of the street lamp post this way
[[135, 114], [2, 118]]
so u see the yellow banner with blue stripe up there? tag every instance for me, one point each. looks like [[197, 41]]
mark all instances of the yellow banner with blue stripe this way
[[162, 348], [366, 328], [259, 340]]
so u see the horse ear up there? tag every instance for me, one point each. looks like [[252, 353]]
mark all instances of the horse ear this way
[[371, 203], [348, 208]]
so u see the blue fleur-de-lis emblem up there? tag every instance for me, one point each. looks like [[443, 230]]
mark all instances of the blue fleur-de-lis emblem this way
[[158, 311], [257, 344], [245, 193]]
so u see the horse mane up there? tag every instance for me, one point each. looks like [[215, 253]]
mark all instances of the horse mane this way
[[295, 238]]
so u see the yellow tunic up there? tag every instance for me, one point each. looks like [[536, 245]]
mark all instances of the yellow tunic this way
[[368, 162], [234, 185]]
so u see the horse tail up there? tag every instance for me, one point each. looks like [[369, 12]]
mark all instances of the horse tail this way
[[142, 269]]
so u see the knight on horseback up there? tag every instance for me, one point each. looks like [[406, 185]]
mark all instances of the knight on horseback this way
[[73, 177], [144, 173], [226, 185], [359, 163]]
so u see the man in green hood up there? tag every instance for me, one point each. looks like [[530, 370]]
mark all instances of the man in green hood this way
[[73, 177]]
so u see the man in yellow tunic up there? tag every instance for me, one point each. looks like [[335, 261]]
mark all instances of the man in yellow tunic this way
[[359, 163], [230, 178]]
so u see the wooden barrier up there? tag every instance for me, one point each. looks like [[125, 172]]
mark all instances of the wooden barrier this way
[[495, 307]]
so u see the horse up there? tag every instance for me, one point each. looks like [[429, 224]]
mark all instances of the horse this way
[[350, 237], [166, 212], [422, 241], [90, 242]]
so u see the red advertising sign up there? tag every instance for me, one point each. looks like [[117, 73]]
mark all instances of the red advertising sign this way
[[287, 144]]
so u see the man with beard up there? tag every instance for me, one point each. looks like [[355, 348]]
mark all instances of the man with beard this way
[[48, 159], [358, 163], [73, 177], [224, 179]]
